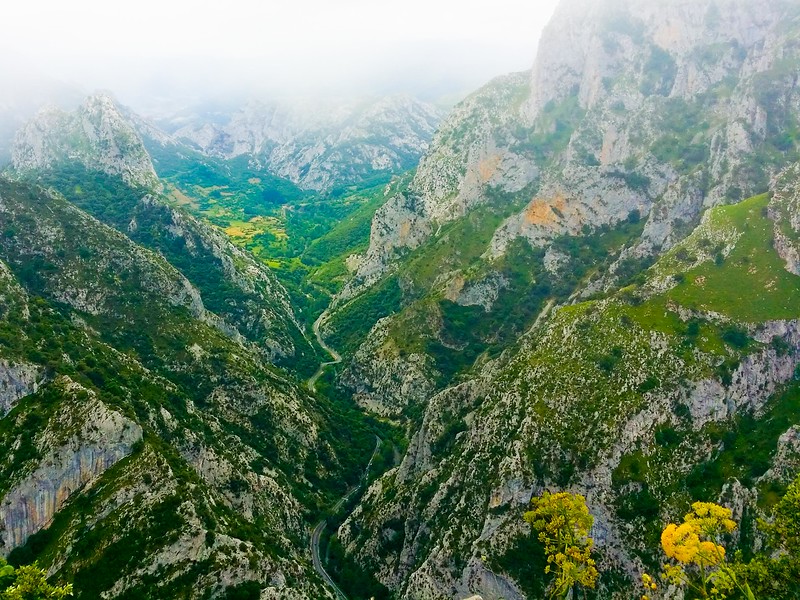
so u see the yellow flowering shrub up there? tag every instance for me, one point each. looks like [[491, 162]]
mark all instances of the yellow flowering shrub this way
[[698, 555], [564, 522]]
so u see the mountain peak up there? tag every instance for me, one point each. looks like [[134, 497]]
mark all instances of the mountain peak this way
[[97, 135]]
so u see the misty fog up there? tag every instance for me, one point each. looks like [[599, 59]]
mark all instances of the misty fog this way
[[163, 57]]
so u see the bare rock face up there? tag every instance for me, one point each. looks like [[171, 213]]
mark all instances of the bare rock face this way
[[786, 463], [96, 135], [483, 292], [385, 380], [397, 226], [467, 155], [784, 209], [16, 382], [632, 111], [577, 50], [624, 99], [548, 415], [81, 441]]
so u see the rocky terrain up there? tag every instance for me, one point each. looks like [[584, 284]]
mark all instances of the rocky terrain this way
[[322, 147], [526, 343], [96, 135], [630, 114], [602, 398], [145, 431], [585, 278]]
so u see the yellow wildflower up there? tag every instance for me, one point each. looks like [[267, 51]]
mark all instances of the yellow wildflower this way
[[680, 542], [710, 518], [709, 554]]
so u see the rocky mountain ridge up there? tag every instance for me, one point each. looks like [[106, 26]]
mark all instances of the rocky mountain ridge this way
[[592, 132], [140, 419], [631, 114], [521, 333], [578, 290], [322, 147], [96, 135], [588, 401]]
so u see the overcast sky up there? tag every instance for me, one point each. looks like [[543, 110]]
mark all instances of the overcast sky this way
[[292, 46]]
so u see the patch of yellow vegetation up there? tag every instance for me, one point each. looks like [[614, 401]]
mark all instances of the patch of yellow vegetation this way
[[236, 231], [247, 230], [254, 180]]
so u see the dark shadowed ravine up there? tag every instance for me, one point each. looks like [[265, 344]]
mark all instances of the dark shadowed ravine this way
[[316, 535]]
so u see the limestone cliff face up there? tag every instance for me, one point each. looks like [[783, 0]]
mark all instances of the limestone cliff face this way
[[456, 498], [589, 390], [785, 212], [632, 111], [96, 135], [662, 108], [211, 496], [385, 380], [81, 441], [64, 226], [16, 381], [321, 147], [468, 154], [581, 44]]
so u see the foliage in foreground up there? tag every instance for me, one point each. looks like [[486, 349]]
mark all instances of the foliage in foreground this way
[[698, 563], [563, 522], [28, 582]]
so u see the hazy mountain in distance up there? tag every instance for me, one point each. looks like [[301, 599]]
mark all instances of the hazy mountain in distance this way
[[321, 144], [22, 95]]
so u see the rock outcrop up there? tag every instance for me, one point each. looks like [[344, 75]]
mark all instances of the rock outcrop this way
[[109, 340], [660, 109], [96, 135], [614, 398], [80, 442], [785, 212], [632, 114], [16, 382]]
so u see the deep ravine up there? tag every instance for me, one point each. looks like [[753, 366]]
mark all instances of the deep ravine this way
[[319, 528], [337, 358]]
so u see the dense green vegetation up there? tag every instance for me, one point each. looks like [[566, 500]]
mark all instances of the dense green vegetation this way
[[28, 582], [750, 283], [303, 236], [133, 355], [357, 583]]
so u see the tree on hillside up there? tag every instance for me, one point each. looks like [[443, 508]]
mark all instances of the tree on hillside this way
[[28, 582], [563, 522]]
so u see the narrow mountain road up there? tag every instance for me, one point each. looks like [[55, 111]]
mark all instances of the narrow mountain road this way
[[337, 358], [316, 535]]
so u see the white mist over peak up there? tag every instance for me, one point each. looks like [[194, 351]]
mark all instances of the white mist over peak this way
[[184, 49]]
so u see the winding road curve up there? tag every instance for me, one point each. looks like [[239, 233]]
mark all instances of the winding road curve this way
[[320, 527], [337, 358]]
